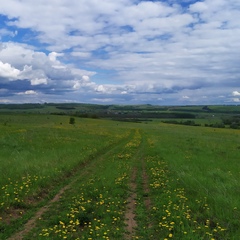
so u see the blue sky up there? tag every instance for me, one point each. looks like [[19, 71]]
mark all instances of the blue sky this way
[[120, 51]]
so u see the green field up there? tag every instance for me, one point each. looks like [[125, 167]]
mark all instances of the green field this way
[[103, 179]]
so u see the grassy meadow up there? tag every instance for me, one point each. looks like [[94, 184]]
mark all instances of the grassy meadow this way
[[87, 180]]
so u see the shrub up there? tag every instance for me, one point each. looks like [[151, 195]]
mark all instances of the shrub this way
[[72, 120]]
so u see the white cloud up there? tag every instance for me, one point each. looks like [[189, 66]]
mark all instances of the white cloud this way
[[101, 88], [53, 56], [81, 54], [155, 49], [199, 7], [37, 81], [236, 100], [85, 78], [30, 92], [5, 101], [7, 71], [236, 93], [6, 32], [37, 67], [103, 100]]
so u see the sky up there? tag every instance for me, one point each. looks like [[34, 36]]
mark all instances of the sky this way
[[167, 52]]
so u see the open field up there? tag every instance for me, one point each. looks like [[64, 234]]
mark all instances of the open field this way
[[102, 179]]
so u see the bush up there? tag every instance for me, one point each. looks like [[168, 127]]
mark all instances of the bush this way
[[72, 120], [234, 125]]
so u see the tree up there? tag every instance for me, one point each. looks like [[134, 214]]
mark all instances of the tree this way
[[72, 120]]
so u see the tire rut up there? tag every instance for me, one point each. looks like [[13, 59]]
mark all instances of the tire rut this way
[[33, 221], [130, 215], [146, 190]]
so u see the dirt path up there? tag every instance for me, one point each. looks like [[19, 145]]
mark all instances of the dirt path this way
[[86, 166], [84, 170], [32, 222], [130, 221], [146, 190]]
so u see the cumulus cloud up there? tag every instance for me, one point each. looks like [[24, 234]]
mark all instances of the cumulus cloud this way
[[37, 81], [131, 50], [7, 71], [38, 69], [85, 78], [236, 93], [28, 92], [5, 32], [101, 88], [53, 56]]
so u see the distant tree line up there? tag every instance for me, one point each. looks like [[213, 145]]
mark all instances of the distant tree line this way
[[21, 106], [233, 122], [215, 125], [128, 115], [187, 122]]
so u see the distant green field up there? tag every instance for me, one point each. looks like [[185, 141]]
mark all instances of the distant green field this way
[[177, 182], [94, 108]]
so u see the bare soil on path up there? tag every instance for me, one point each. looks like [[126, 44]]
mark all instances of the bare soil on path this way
[[84, 170], [146, 190], [32, 222], [130, 215]]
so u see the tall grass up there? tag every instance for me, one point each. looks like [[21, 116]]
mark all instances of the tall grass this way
[[43, 148], [193, 177], [204, 162]]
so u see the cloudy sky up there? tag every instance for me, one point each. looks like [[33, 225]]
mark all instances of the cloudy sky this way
[[167, 52]]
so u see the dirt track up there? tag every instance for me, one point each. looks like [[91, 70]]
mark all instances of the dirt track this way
[[130, 221]]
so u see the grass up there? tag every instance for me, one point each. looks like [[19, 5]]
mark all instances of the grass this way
[[188, 175], [40, 153], [94, 208], [197, 175]]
